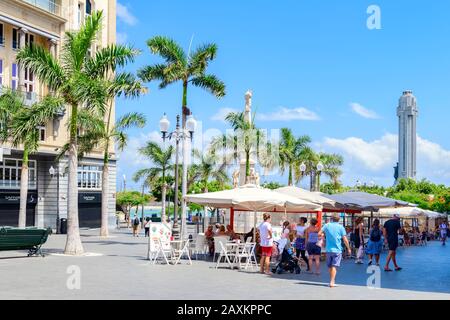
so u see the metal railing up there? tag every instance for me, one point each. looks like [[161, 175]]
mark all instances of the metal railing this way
[[47, 5]]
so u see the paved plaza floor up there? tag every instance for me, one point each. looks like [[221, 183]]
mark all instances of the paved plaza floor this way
[[116, 269]]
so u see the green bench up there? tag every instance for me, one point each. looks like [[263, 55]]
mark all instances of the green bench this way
[[30, 239]]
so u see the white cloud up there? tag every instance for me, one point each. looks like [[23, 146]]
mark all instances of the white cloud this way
[[374, 160], [121, 37], [374, 156], [286, 114], [125, 15], [222, 113], [363, 111]]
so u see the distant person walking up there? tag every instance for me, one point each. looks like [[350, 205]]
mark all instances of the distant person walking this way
[[375, 245], [136, 223], [443, 228], [266, 243], [314, 251], [334, 234], [359, 240], [147, 226], [390, 232]]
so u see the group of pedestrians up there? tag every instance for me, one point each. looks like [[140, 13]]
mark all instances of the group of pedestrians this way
[[333, 237]]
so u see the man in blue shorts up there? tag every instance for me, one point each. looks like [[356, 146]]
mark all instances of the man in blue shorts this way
[[334, 235]]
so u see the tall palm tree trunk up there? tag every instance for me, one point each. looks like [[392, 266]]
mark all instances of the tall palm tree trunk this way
[[23, 190], [290, 176], [104, 230], [311, 181], [185, 112], [73, 242]]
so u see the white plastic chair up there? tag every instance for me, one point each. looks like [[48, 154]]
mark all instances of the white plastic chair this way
[[224, 254], [251, 251], [163, 249], [180, 251], [217, 241], [201, 246], [243, 254]]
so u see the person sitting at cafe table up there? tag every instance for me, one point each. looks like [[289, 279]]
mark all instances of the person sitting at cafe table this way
[[230, 232], [221, 232], [209, 235]]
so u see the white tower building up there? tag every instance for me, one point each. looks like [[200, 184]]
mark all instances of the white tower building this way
[[407, 113]]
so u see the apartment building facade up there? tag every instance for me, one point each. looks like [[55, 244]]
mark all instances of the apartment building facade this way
[[45, 22]]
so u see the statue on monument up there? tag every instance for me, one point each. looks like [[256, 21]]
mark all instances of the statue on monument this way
[[236, 179], [248, 105], [254, 177]]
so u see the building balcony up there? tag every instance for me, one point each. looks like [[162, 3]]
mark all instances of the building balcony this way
[[30, 98], [48, 5]]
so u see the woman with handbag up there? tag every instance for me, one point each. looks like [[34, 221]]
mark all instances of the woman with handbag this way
[[359, 240]]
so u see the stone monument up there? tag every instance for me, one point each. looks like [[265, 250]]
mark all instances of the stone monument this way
[[407, 113]]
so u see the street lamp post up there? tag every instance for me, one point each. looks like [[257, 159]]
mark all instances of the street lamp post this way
[[319, 168], [183, 135], [52, 172]]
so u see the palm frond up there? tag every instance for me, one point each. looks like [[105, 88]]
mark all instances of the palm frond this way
[[108, 59], [210, 83], [81, 42], [154, 72], [46, 68], [132, 119], [127, 85], [26, 120], [168, 49], [198, 61]]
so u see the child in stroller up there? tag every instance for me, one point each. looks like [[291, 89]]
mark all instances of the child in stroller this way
[[287, 261]]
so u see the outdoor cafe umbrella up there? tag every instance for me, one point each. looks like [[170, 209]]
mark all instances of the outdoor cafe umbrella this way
[[403, 212], [253, 198], [313, 197], [367, 201]]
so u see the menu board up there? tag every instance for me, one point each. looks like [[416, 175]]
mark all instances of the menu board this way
[[159, 231]]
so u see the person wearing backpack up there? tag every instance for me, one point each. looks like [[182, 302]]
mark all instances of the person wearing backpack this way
[[375, 245], [136, 224]]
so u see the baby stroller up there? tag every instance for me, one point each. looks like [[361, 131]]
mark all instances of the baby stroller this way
[[288, 263]]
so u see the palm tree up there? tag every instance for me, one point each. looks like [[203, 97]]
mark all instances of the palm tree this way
[[309, 158], [246, 139], [331, 167], [20, 124], [290, 150], [161, 163], [78, 78], [188, 69], [208, 167], [100, 136]]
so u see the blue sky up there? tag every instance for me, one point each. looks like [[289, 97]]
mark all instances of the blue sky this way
[[315, 61]]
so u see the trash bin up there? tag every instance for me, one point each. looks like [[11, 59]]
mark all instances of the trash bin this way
[[63, 226]]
